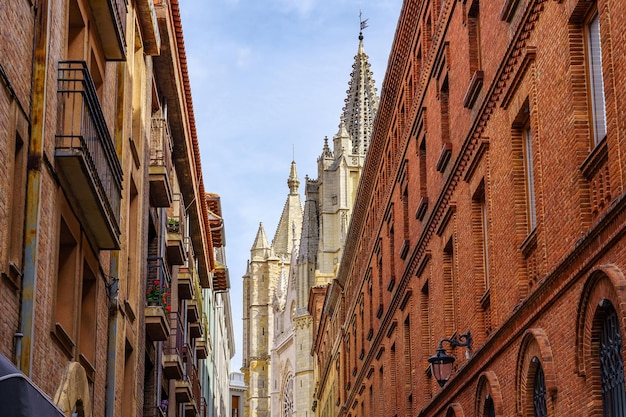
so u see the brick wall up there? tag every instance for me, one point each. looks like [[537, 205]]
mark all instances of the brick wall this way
[[537, 296]]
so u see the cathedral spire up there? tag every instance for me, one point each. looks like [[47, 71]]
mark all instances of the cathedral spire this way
[[293, 182], [292, 214], [362, 101], [260, 247]]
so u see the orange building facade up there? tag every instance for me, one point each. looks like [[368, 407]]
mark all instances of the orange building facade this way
[[492, 202]]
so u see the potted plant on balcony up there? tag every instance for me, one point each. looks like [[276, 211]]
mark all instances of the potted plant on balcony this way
[[157, 295], [173, 225]]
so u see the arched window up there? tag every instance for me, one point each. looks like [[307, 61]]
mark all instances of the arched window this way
[[539, 391], [489, 410], [611, 364], [288, 408], [488, 396]]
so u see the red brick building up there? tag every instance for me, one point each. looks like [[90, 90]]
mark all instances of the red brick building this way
[[493, 202]]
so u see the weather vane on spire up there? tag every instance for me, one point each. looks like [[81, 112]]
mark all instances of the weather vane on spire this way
[[363, 24]]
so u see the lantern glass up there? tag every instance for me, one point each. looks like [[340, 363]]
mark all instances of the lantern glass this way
[[441, 366]]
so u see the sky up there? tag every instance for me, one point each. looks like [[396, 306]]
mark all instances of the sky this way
[[268, 82]]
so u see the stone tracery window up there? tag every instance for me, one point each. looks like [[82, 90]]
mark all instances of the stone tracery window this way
[[287, 397]]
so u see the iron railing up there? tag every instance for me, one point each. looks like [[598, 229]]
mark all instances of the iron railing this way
[[82, 129], [176, 342], [161, 143], [176, 217], [159, 282]]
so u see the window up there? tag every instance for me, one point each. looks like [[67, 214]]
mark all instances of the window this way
[[485, 236], [596, 79], [539, 391], [527, 143], [489, 409], [449, 308], [612, 364], [13, 222], [66, 295], [76, 315], [288, 406], [473, 27], [480, 219]]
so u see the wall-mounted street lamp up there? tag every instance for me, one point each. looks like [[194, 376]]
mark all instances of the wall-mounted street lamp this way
[[441, 362]]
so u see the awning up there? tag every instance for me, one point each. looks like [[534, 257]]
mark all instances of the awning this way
[[19, 397]]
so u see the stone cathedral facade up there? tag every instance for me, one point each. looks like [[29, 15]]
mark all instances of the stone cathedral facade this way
[[305, 253]]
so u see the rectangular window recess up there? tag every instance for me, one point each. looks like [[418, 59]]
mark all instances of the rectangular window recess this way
[[508, 10], [529, 244], [14, 276], [380, 353], [370, 334], [404, 251], [89, 369], [64, 339], [485, 300], [362, 354], [473, 89], [379, 312], [422, 264], [422, 208], [130, 312], [596, 160], [444, 157], [405, 300], [392, 328]]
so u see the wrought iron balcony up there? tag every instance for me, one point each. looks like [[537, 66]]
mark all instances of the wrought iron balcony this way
[[202, 350], [160, 162], [110, 19], [157, 307], [85, 154], [185, 283], [173, 349], [176, 230], [193, 406]]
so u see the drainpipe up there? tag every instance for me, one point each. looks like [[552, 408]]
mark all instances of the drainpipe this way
[[114, 302], [24, 349], [111, 377], [215, 348]]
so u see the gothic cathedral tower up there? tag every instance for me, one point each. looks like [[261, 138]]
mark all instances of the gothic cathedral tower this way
[[305, 253]]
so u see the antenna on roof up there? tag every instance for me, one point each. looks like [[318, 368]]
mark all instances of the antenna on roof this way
[[363, 24]]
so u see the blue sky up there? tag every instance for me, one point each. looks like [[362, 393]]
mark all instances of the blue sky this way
[[268, 80]]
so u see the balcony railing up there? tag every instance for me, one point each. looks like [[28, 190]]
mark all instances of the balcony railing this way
[[192, 375], [173, 349], [158, 296], [160, 162], [85, 153], [176, 230], [159, 282]]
